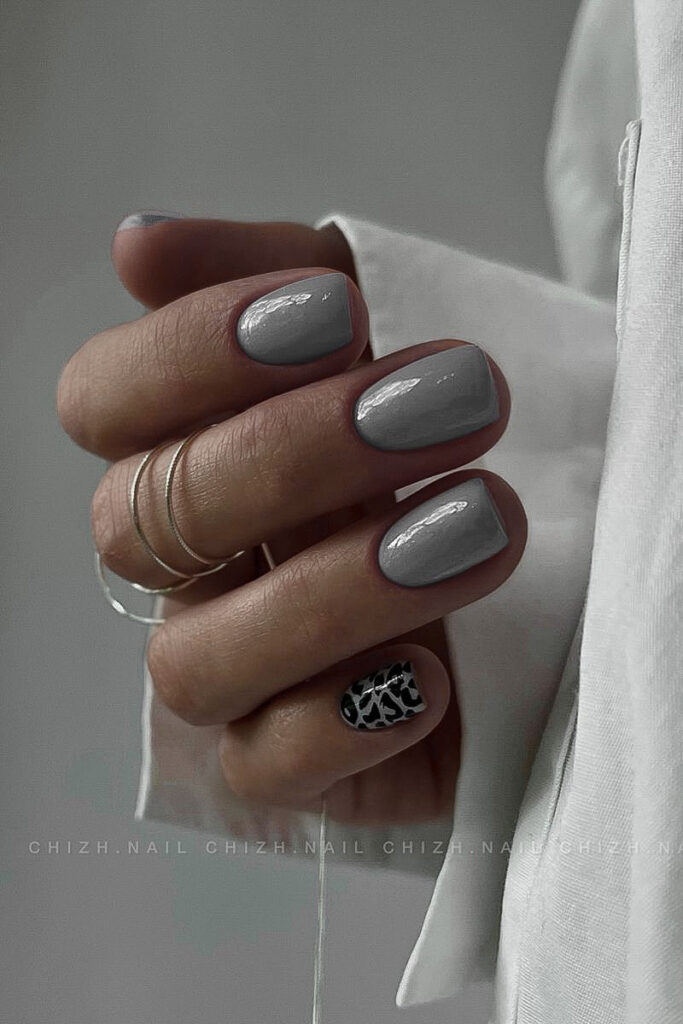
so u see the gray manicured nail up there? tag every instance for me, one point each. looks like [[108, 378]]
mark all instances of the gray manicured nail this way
[[437, 398], [145, 219], [303, 321], [382, 698], [443, 537]]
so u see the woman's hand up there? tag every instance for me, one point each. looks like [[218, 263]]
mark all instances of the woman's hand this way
[[329, 672]]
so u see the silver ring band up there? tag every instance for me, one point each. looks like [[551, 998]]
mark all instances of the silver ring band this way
[[135, 516], [120, 608], [184, 579], [135, 512], [168, 498]]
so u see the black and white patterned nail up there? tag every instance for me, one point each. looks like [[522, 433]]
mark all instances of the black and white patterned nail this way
[[382, 698]]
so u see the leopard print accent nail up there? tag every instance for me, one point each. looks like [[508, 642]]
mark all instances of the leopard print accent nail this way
[[382, 698]]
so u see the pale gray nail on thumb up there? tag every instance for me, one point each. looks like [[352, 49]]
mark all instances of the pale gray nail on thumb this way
[[303, 321], [145, 219], [443, 536], [438, 398]]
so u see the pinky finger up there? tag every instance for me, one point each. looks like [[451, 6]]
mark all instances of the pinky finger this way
[[314, 738]]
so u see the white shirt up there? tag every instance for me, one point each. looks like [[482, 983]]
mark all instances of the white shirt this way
[[587, 935]]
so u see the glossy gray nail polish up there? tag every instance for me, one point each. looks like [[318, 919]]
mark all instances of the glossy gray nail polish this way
[[443, 536], [145, 219], [382, 698], [437, 398], [303, 321]]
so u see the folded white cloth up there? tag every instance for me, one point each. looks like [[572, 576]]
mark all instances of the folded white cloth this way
[[593, 914]]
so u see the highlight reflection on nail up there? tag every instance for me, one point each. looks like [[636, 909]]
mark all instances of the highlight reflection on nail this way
[[302, 321], [382, 698], [437, 398], [447, 509], [443, 536]]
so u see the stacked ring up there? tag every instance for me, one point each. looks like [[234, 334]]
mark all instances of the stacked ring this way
[[183, 579]]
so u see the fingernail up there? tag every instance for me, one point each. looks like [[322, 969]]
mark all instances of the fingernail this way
[[382, 698], [303, 321], [437, 398], [443, 537], [145, 218]]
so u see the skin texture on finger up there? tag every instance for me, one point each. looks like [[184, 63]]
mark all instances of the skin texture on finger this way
[[165, 260], [416, 784], [215, 664], [279, 465], [236, 573], [297, 746], [132, 386]]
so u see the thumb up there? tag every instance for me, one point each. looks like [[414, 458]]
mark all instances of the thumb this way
[[161, 257]]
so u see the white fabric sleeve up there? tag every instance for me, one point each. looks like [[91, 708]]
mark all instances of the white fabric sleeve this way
[[593, 914], [599, 76], [556, 347]]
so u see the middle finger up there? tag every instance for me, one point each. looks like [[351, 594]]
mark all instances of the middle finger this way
[[216, 351], [335, 443]]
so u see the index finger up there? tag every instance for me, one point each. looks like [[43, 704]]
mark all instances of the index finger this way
[[216, 351]]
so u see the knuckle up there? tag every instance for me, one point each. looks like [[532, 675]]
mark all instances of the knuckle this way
[[179, 341], [297, 590], [71, 409], [172, 682], [108, 511], [210, 306], [158, 345], [293, 767], [262, 443], [241, 782], [259, 444], [284, 782], [82, 408]]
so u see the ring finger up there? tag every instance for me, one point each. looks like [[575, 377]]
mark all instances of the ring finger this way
[[444, 547]]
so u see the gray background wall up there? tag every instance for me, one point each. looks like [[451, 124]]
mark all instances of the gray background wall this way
[[428, 116]]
